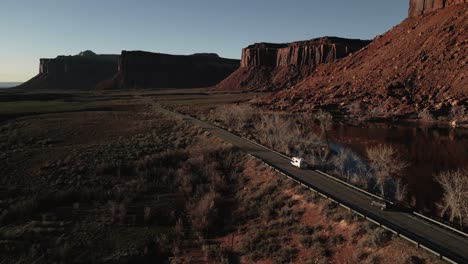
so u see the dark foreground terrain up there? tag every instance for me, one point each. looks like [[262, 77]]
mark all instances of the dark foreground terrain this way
[[108, 178]]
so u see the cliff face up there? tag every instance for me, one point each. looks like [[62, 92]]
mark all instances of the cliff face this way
[[267, 66], [420, 7], [304, 53], [139, 69], [82, 71]]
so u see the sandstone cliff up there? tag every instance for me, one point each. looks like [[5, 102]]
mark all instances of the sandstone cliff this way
[[139, 69], [267, 66], [420, 7], [420, 64], [82, 71]]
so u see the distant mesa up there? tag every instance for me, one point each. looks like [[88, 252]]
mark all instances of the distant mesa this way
[[140, 69], [82, 71], [87, 53], [131, 69], [420, 7], [268, 66]]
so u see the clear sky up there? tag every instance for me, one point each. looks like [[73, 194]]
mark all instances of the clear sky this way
[[33, 29]]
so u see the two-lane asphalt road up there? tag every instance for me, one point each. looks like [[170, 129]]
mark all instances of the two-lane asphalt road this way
[[445, 242]]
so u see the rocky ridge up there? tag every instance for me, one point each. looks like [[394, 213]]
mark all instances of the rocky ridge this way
[[420, 7], [82, 71], [140, 69], [268, 66]]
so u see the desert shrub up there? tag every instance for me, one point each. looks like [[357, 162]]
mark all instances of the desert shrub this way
[[319, 251], [306, 230], [360, 253], [307, 241], [287, 255], [459, 114], [118, 212], [412, 260], [236, 116], [320, 238], [261, 245], [337, 239], [355, 109], [369, 226], [357, 232], [331, 205], [382, 111], [426, 116], [374, 259], [204, 213], [378, 238], [216, 252]]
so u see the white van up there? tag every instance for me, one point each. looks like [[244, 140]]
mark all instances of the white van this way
[[298, 162]]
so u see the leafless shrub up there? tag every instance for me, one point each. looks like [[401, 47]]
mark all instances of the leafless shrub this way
[[118, 211], [458, 114], [290, 135], [351, 166], [147, 214], [355, 109], [455, 199], [325, 120], [236, 116], [426, 116], [203, 213], [378, 238], [385, 163], [382, 111], [342, 162], [401, 190], [179, 228]]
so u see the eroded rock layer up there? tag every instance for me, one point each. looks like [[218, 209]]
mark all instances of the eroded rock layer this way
[[419, 65], [82, 71], [139, 69], [420, 7], [267, 66]]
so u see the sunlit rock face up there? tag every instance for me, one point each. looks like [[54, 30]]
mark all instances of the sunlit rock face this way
[[303, 53], [420, 7], [269, 67]]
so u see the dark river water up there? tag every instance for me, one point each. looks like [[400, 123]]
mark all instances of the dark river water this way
[[428, 150]]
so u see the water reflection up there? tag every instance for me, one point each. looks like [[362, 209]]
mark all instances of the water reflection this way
[[428, 150]]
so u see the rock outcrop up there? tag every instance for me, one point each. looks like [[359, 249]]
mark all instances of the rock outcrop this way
[[267, 66], [139, 69], [82, 71], [303, 53], [419, 65], [420, 7]]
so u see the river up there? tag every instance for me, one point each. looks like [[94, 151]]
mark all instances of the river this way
[[427, 149]]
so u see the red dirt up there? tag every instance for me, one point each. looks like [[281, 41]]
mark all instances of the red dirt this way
[[419, 64]]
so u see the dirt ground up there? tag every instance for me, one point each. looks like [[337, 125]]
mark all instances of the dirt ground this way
[[101, 177]]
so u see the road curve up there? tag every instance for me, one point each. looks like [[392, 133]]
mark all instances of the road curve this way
[[447, 243]]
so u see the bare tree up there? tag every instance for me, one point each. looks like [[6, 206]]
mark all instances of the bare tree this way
[[342, 161], [385, 163], [401, 190], [325, 120], [455, 199]]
